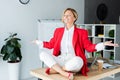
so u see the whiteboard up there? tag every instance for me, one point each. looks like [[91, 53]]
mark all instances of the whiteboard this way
[[46, 28]]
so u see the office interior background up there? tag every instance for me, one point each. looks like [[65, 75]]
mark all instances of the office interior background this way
[[22, 19]]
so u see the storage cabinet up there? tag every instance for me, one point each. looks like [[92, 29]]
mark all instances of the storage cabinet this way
[[101, 33]]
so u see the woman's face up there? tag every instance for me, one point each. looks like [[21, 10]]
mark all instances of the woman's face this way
[[68, 17]]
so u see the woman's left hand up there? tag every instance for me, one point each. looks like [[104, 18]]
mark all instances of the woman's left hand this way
[[109, 43]]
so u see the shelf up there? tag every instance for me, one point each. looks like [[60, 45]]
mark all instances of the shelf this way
[[99, 30], [101, 33], [109, 50]]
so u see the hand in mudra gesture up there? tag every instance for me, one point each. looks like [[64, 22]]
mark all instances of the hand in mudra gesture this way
[[36, 42], [109, 43]]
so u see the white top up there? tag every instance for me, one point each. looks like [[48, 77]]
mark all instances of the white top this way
[[66, 48]]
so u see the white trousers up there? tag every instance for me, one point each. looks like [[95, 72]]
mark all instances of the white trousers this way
[[74, 64]]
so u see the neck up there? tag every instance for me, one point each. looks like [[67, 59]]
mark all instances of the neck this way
[[68, 26]]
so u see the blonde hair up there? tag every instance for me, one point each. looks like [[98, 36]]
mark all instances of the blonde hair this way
[[74, 12]]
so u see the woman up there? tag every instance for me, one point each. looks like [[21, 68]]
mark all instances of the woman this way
[[69, 44]]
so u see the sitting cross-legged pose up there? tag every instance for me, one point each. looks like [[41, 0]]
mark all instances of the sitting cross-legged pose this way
[[68, 44]]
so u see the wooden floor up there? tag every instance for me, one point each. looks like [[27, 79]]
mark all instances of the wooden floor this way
[[93, 74]]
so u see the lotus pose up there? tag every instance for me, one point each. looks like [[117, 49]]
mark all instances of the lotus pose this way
[[68, 44]]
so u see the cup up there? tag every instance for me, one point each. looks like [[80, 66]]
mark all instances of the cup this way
[[100, 65]]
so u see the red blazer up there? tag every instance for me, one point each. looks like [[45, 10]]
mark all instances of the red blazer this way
[[80, 43]]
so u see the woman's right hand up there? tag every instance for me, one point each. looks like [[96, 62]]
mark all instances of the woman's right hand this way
[[36, 42]]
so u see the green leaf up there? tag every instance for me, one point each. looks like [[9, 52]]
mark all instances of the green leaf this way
[[17, 39], [18, 45], [15, 34], [6, 39], [3, 49], [13, 57], [18, 51], [9, 49], [6, 57], [15, 42]]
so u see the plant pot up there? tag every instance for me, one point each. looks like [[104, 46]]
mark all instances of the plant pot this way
[[13, 70]]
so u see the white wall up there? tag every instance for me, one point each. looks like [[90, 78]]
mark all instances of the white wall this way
[[15, 17]]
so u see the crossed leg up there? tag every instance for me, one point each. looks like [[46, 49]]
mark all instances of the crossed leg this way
[[73, 65]]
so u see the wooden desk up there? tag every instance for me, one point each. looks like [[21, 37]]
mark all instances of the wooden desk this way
[[93, 74]]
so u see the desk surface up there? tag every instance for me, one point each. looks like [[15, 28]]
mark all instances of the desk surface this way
[[93, 74]]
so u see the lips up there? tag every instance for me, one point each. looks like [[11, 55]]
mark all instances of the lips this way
[[66, 20]]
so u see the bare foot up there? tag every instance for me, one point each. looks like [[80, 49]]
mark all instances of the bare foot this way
[[57, 69], [64, 68], [70, 76], [52, 71]]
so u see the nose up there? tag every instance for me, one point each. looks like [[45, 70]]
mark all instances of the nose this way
[[65, 16]]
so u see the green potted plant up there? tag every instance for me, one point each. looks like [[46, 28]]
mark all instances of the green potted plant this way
[[11, 52]]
